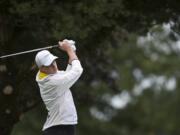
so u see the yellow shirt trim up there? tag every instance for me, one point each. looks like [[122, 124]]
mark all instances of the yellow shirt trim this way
[[42, 75]]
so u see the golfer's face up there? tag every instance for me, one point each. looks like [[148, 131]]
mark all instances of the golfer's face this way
[[50, 69], [53, 67]]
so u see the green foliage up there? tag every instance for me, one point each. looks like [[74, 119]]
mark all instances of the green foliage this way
[[31, 122], [154, 111], [106, 33]]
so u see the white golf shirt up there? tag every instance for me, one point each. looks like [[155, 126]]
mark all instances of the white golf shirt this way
[[56, 94]]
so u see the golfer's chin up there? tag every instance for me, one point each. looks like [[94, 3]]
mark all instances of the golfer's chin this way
[[49, 70]]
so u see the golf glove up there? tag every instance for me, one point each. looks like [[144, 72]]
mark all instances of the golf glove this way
[[71, 43]]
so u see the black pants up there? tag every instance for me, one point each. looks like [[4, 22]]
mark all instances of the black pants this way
[[60, 130]]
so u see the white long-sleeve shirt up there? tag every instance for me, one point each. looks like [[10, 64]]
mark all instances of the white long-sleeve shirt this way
[[56, 94]]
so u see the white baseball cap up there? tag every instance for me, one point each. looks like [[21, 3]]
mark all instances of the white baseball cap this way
[[44, 58]]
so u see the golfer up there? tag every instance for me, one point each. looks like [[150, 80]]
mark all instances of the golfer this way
[[55, 91]]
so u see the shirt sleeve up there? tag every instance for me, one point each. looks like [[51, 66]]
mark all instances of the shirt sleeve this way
[[69, 66], [70, 76]]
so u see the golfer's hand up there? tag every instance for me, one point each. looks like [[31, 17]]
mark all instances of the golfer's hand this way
[[64, 45]]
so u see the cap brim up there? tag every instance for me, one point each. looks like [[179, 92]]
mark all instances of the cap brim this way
[[50, 60]]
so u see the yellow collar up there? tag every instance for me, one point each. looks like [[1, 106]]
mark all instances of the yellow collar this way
[[42, 75]]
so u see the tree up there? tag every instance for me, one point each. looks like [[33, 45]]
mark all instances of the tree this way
[[98, 27]]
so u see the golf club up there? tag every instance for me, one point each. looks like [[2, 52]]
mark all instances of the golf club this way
[[29, 51]]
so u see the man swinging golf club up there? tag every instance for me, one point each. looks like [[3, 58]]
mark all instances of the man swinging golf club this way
[[55, 91]]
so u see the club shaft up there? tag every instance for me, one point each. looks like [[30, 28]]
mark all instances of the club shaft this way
[[29, 51]]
